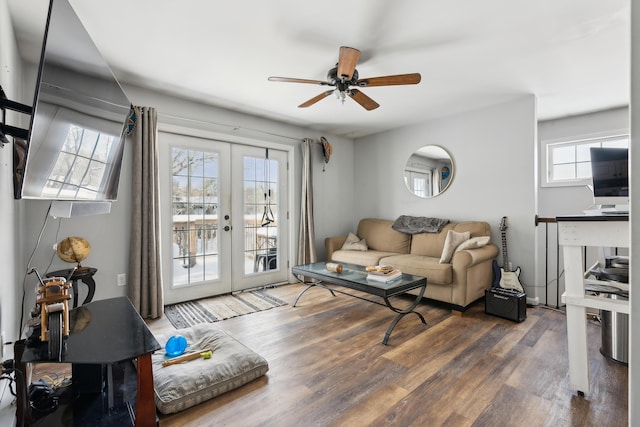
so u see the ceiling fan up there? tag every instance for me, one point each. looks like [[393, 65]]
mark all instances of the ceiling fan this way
[[344, 75]]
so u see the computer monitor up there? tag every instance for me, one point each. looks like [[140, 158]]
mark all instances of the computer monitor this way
[[610, 174]]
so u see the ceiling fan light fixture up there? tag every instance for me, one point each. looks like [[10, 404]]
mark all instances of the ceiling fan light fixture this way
[[341, 95]]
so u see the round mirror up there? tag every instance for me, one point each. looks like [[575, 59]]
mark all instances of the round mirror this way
[[429, 171]]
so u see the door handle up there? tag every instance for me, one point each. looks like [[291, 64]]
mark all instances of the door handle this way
[[227, 228]]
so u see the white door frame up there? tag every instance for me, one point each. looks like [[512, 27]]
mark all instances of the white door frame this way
[[173, 294]]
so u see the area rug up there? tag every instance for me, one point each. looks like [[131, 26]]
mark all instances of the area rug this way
[[209, 310]]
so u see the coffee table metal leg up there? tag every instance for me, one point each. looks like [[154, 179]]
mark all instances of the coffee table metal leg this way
[[311, 285], [402, 313]]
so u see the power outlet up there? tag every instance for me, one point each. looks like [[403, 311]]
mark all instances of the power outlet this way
[[122, 279]]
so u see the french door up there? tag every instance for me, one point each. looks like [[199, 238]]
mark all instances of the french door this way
[[225, 224]]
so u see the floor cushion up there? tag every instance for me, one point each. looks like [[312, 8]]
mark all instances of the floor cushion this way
[[183, 385]]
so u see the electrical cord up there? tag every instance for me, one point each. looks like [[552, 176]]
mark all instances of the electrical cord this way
[[53, 254], [24, 278]]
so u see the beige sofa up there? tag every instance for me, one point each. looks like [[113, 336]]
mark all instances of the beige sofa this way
[[458, 283]]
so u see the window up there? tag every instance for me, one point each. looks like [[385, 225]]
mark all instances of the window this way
[[568, 163], [418, 182]]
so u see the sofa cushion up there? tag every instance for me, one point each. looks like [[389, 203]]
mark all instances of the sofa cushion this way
[[430, 244], [476, 228], [473, 243], [381, 237], [360, 257], [186, 384], [354, 243], [453, 240], [421, 265]]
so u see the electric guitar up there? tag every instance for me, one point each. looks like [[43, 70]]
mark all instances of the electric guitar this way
[[507, 279]]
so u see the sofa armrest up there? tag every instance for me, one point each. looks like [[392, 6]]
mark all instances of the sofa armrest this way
[[332, 244], [472, 273], [470, 257]]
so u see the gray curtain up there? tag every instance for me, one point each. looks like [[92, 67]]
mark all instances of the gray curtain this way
[[306, 240], [145, 275]]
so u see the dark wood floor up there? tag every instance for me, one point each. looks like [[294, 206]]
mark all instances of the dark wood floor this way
[[327, 367]]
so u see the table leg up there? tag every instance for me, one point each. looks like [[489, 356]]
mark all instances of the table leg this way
[[311, 285], [576, 319], [145, 400], [74, 286], [91, 284], [402, 313], [577, 348]]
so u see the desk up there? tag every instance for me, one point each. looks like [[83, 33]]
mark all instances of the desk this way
[[108, 333], [575, 233]]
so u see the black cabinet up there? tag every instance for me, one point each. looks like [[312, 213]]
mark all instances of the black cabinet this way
[[109, 347]]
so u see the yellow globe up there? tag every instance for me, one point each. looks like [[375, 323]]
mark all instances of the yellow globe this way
[[73, 249]]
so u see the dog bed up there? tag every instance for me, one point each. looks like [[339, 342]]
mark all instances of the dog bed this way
[[183, 385]]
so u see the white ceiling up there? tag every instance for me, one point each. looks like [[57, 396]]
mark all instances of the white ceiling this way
[[572, 54]]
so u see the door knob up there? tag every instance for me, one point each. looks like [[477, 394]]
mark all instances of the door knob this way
[[227, 228]]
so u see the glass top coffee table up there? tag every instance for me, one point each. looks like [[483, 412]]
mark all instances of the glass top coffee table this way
[[355, 277]]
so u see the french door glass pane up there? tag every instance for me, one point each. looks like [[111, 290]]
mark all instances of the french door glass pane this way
[[260, 214], [194, 196]]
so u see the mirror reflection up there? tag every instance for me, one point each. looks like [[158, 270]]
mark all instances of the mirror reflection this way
[[429, 171]]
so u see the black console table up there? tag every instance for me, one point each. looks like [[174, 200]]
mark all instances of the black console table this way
[[83, 274], [107, 387]]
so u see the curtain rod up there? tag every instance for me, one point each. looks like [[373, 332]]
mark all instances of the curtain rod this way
[[232, 127]]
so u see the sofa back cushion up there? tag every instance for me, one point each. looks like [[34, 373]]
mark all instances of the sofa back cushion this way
[[431, 244], [476, 228], [381, 237]]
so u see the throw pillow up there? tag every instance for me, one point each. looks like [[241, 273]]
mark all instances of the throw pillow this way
[[453, 240], [476, 242], [354, 243]]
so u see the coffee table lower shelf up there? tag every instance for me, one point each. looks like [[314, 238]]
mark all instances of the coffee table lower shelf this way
[[356, 280]]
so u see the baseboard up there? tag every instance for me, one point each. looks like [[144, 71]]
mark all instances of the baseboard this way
[[533, 301]]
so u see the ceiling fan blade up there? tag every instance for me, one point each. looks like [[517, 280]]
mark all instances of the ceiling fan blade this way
[[362, 99], [315, 99], [347, 62], [293, 80], [400, 79]]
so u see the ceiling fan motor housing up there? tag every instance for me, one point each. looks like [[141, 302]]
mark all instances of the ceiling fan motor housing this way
[[332, 77]]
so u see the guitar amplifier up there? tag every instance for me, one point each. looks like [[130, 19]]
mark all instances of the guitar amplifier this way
[[507, 303]]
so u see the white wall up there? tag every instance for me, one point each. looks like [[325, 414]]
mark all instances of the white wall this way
[[555, 201], [493, 152], [570, 200], [109, 234], [634, 316], [10, 222]]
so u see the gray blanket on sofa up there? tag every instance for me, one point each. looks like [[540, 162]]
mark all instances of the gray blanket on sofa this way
[[418, 224]]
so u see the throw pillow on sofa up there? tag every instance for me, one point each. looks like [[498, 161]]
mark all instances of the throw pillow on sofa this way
[[473, 243], [452, 241], [354, 243]]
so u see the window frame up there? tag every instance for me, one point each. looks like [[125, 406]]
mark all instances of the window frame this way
[[546, 163]]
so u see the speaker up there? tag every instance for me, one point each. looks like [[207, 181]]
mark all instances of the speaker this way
[[506, 303]]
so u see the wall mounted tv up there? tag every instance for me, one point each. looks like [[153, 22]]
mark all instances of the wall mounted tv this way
[[610, 174], [77, 131]]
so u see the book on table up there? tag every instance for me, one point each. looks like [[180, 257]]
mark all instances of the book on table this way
[[384, 277]]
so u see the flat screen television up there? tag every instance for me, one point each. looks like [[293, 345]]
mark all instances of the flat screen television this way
[[610, 175], [80, 112]]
